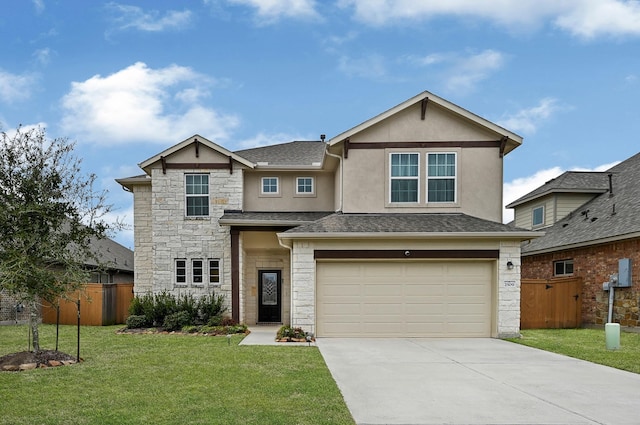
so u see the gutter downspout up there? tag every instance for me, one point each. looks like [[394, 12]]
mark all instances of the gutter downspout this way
[[326, 150], [290, 248]]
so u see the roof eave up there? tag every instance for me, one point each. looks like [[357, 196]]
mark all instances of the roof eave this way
[[519, 235], [584, 244]]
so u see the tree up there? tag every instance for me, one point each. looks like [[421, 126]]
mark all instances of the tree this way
[[49, 214]]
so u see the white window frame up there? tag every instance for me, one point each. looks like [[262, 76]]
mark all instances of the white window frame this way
[[392, 178], [219, 268], [197, 280], [454, 178], [564, 266], [313, 185], [196, 195], [277, 184], [177, 267], [533, 216]]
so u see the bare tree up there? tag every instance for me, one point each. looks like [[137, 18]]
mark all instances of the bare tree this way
[[49, 214]]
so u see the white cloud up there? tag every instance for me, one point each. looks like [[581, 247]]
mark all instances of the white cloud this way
[[371, 67], [270, 11], [584, 18], [469, 71], [140, 104], [135, 17], [43, 56], [39, 5], [521, 186], [527, 120], [16, 88], [593, 18], [461, 72]]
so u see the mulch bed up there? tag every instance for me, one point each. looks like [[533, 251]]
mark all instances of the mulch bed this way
[[27, 360]]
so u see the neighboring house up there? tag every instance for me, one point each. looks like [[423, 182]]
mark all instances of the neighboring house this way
[[591, 221], [391, 228], [116, 269]]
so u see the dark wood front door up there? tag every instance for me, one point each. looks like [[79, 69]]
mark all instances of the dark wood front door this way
[[269, 296]]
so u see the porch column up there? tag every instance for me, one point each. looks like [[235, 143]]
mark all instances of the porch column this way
[[235, 274]]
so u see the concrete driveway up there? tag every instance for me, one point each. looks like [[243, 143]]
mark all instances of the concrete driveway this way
[[475, 381]]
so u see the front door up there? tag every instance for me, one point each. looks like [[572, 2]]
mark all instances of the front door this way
[[269, 298]]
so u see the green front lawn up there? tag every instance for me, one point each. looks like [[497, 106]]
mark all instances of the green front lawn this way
[[168, 379], [586, 344]]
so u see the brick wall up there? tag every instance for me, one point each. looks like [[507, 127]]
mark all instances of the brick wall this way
[[594, 265]]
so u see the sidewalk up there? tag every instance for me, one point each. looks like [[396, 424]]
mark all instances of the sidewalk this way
[[266, 335]]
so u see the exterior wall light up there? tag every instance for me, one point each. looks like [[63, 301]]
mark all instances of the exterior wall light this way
[[510, 265]]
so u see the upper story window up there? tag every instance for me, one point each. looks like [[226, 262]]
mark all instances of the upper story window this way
[[304, 185], [563, 267], [405, 177], [537, 216], [441, 177], [270, 186], [197, 194]]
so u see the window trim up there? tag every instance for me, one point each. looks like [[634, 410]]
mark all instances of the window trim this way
[[565, 262], [533, 215], [209, 274], [417, 178], [454, 178], [276, 193], [199, 195], [176, 269], [313, 186]]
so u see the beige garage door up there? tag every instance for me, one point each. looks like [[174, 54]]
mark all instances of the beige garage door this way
[[413, 299]]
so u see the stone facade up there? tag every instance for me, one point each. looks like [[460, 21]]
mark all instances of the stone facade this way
[[175, 236], [508, 321], [595, 264]]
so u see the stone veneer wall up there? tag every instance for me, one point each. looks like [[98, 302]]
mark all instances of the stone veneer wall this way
[[175, 236], [508, 309], [143, 239], [594, 265]]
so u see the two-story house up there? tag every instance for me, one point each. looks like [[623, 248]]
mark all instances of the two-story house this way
[[591, 222], [391, 228]]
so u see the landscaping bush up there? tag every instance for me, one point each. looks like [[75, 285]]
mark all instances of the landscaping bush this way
[[156, 309], [175, 321], [136, 321], [289, 333], [209, 306]]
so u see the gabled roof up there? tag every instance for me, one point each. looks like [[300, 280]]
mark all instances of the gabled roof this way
[[187, 142], [569, 182], [112, 255], [514, 140], [299, 154], [608, 217], [406, 226]]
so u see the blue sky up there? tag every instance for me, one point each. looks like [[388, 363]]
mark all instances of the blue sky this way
[[126, 80]]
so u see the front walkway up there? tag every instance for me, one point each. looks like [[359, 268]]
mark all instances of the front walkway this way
[[266, 335]]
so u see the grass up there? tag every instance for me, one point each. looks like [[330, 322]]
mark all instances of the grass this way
[[168, 379], [586, 344]]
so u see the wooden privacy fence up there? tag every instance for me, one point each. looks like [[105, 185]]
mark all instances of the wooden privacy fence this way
[[551, 303], [100, 305]]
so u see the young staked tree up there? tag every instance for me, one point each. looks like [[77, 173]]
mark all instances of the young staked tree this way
[[49, 216]]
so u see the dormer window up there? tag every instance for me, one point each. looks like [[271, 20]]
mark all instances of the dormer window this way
[[537, 216], [405, 177]]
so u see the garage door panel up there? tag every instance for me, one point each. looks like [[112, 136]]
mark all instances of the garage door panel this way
[[404, 298]]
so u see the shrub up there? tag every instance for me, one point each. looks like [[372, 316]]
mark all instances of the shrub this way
[[215, 321], [164, 305], [287, 332], [209, 306], [137, 321], [187, 303], [176, 321]]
